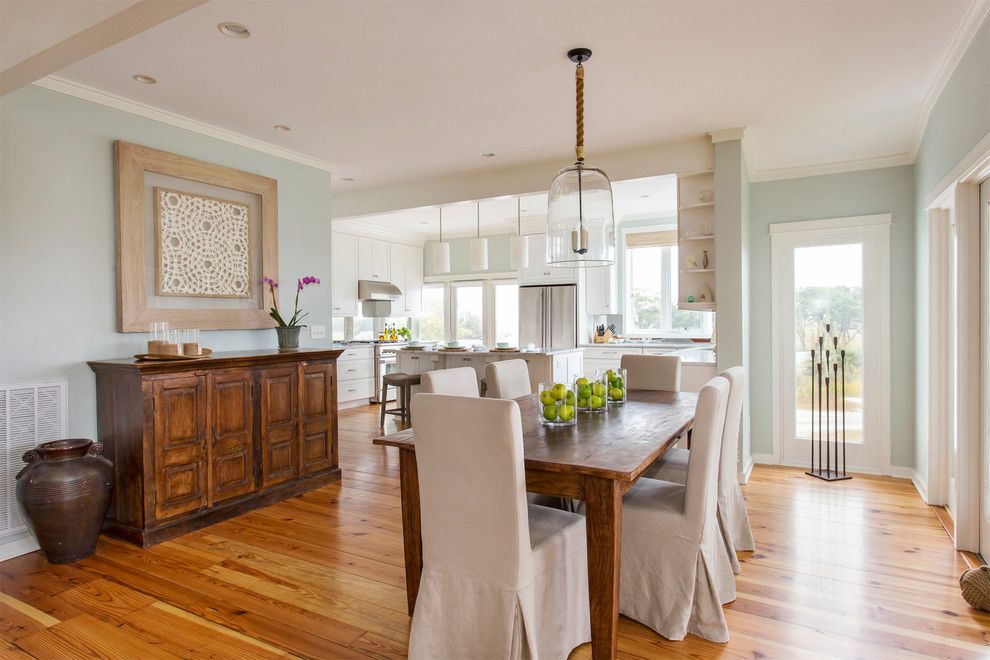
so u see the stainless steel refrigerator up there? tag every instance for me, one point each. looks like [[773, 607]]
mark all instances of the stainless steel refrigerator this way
[[548, 316]]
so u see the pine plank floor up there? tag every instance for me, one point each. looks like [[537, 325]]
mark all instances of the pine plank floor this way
[[853, 569]]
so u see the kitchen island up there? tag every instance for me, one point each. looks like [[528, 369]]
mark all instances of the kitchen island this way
[[559, 365]]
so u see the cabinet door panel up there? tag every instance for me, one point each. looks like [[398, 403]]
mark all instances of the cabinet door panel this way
[[180, 445], [232, 449], [344, 267], [319, 450], [279, 425]]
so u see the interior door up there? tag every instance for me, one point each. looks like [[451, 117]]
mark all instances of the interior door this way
[[985, 375], [838, 276]]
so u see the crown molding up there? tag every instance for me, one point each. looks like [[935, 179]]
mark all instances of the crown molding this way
[[972, 21], [356, 228], [728, 134], [93, 95], [896, 160]]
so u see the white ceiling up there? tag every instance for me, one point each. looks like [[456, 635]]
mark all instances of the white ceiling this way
[[635, 199], [390, 91]]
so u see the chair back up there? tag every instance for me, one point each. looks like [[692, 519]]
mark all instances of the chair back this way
[[652, 372], [728, 461], [508, 379], [706, 445], [462, 381], [472, 488]]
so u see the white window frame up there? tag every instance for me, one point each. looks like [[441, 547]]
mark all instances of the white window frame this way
[[445, 316], [450, 284], [668, 271], [491, 336]]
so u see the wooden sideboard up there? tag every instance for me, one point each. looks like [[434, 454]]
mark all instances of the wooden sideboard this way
[[199, 441]]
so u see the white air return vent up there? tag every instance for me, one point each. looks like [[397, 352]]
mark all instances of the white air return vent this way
[[30, 413]]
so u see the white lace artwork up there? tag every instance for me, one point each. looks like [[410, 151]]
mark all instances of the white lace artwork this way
[[204, 246]]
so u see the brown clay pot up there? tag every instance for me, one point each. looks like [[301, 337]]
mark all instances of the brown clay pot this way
[[65, 491]]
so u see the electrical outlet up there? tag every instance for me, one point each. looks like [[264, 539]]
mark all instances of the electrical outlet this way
[[317, 332]]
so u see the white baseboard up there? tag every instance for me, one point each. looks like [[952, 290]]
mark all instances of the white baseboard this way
[[746, 472], [920, 484], [764, 459], [18, 547]]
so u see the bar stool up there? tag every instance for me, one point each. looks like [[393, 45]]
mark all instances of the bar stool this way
[[403, 383]]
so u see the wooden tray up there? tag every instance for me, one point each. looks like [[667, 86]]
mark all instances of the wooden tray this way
[[459, 349], [158, 357], [506, 350]]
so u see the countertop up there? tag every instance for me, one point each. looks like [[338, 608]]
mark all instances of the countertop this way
[[538, 351], [649, 344], [696, 357]]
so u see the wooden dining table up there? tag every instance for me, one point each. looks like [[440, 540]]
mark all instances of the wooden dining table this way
[[597, 461]]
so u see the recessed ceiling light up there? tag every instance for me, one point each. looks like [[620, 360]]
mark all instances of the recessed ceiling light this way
[[487, 154], [233, 30], [281, 128], [644, 195], [423, 222], [347, 178], [147, 80]]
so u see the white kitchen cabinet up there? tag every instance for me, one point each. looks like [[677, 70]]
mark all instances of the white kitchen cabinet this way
[[413, 291], [373, 259], [538, 272], [596, 358], [355, 375], [397, 276], [600, 290], [567, 367], [344, 274]]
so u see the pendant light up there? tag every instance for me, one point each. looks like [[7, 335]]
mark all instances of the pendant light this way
[[441, 251], [479, 248], [580, 220], [519, 248]]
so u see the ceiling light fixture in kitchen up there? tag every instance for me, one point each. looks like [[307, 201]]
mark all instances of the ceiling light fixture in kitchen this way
[[281, 128], [519, 248], [479, 247], [580, 218], [441, 251], [233, 30], [142, 78]]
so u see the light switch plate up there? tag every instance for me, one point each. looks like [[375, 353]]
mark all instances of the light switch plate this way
[[317, 332]]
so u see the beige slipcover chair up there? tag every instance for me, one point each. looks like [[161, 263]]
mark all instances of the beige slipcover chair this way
[[732, 515], [652, 372], [462, 381], [501, 578], [673, 565], [508, 379]]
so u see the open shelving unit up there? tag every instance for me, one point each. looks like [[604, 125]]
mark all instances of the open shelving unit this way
[[695, 238]]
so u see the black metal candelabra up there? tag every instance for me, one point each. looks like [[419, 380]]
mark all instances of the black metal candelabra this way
[[830, 360]]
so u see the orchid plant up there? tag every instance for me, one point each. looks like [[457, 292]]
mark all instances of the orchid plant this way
[[297, 316]]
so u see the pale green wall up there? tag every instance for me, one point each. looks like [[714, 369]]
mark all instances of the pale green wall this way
[[959, 120], [460, 256], [57, 264], [888, 190]]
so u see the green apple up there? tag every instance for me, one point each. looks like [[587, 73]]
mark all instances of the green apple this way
[[547, 397], [584, 391], [550, 412], [559, 391], [566, 413], [610, 375], [569, 398], [582, 381], [582, 403], [618, 382], [596, 402], [598, 389], [615, 393]]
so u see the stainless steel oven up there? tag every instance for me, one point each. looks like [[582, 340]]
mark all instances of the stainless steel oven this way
[[386, 362]]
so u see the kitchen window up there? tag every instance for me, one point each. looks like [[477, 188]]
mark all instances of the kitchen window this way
[[468, 302], [434, 312], [506, 294], [651, 288]]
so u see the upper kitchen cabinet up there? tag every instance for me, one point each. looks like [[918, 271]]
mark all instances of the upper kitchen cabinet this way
[[538, 272], [373, 259], [406, 271], [600, 290], [344, 269]]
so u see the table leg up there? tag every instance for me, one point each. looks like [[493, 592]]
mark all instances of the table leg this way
[[603, 501], [412, 539]]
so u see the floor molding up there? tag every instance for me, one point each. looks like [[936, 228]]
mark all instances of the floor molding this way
[[972, 559]]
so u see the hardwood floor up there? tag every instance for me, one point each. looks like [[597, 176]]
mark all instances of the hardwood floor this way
[[858, 568]]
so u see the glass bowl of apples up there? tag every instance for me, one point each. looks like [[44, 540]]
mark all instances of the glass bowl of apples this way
[[591, 394], [615, 384], [558, 405]]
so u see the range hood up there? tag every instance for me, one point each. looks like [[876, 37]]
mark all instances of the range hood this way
[[376, 298]]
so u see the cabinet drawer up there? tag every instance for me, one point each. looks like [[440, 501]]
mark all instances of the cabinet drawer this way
[[658, 351], [592, 365], [355, 369], [357, 353], [352, 390], [595, 353]]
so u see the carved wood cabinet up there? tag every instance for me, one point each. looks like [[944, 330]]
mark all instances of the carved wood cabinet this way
[[199, 441]]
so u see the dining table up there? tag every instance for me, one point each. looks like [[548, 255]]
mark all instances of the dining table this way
[[596, 460]]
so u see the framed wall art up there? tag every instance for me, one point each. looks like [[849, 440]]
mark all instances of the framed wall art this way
[[193, 241]]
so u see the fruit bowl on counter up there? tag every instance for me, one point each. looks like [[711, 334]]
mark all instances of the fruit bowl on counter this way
[[558, 405]]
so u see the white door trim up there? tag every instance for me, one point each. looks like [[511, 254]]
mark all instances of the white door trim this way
[[939, 354], [783, 238]]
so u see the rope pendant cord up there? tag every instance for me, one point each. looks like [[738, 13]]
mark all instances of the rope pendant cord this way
[[579, 93]]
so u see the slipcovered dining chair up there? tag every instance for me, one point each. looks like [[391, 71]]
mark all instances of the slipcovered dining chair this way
[[673, 566], [508, 379], [462, 381], [501, 578], [652, 372], [732, 515]]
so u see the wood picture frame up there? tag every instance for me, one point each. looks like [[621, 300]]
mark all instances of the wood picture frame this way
[[132, 162]]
